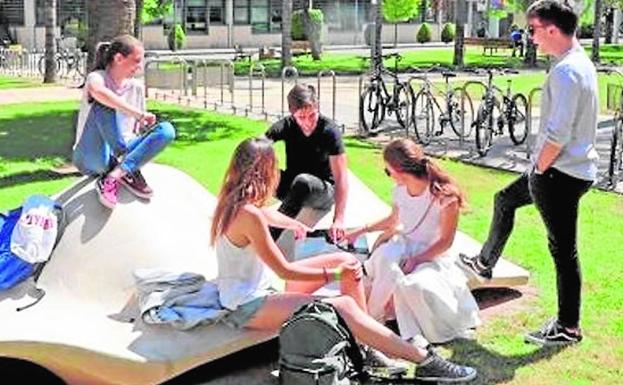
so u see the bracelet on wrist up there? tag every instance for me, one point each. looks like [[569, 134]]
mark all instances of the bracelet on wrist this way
[[325, 274], [337, 274]]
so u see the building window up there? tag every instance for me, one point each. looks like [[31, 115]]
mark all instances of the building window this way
[[241, 12], [196, 16], [264, 16], [67, 11], [12, 12], [216, 12]]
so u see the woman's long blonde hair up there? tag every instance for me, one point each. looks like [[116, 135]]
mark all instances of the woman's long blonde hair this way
[[405, 155], [251, 178]]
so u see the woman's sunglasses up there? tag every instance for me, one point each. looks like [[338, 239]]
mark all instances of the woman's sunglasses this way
[[387, 172]]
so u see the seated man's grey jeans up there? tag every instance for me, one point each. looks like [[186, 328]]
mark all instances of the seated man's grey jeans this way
[[305, 190]]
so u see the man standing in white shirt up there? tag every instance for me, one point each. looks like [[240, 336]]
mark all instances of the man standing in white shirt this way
[[565, 166]]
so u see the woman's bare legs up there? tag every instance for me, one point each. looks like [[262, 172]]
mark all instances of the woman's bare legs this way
[[349, 287], [278, 308]]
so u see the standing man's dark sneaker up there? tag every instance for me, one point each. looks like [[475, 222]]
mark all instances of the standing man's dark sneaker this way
[[474, 265], [436, 368], [135, 182], [553, 334]]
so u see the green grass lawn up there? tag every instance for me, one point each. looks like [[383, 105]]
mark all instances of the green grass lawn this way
[[7, 82], [343, 63], [36, 137]]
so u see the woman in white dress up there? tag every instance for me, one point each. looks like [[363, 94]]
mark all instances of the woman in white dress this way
[[412, 265]]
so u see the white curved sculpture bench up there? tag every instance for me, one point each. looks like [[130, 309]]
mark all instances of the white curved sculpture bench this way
[[82, 330]]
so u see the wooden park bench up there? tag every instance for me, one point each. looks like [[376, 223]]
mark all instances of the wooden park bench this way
[[239, 54], [301, 47], [489, 43]]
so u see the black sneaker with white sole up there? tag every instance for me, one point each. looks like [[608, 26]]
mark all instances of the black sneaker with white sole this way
[[474, 265], [553, 334], [437, 368]]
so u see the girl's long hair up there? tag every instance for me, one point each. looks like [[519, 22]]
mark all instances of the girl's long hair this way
[[251, 178], [105, 51], [405, 155]]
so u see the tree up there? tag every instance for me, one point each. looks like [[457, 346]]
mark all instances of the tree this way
[[114, 17], [286, 33], [397, 11], [596, 31], [377, 48], [312, 23], [50, 42], [154, 9], [459, 41], [138, 15]]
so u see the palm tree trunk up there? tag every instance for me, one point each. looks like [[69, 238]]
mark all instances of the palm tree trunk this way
[[286, 33], [50, 42], [138, 26], [459, 40], [609, 26], [596, 31], [108, 19], [377, 47]]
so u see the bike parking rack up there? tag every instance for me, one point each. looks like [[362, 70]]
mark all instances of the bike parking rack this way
[[334, 89], [259, 70], [284, 74], [464, 88], [531, 96], [183, 73]]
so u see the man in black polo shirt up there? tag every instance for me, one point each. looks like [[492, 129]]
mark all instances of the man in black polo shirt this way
[[316, 173]]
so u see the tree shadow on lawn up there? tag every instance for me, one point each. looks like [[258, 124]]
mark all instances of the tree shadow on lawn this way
[[50, 135], [493, 367], [193, 127], [39, 135]]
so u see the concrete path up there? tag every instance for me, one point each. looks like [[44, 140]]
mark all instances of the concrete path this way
[[39, 94], [270, 104]]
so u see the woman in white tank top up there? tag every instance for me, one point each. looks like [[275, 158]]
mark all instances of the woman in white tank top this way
[[412, 266], [248, 257]]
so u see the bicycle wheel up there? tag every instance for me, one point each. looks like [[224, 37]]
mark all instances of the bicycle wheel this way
[[371, 109], [517, 119], [616, 153], [404, 98], [484, 129], [462, 113], [41, 65], [423, 116]]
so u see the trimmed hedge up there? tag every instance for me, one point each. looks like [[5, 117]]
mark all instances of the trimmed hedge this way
[[424, 35], [298, 28], [448, 33]]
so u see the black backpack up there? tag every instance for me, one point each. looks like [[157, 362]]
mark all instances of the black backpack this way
[[316, 347]]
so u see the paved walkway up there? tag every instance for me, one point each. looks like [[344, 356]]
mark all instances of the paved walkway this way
[[503, 154], [248, 101], [39, 94]]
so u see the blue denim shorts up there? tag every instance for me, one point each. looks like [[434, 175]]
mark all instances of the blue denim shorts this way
[[239, 318]]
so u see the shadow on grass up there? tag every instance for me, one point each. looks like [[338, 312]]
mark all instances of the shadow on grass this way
[[493, 367], [38, 135], [31, 177], [30, 136]]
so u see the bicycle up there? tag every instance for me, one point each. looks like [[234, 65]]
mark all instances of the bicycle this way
[[493, 116], [615, 166], [376, 100], [65, 63], [455, 111]]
